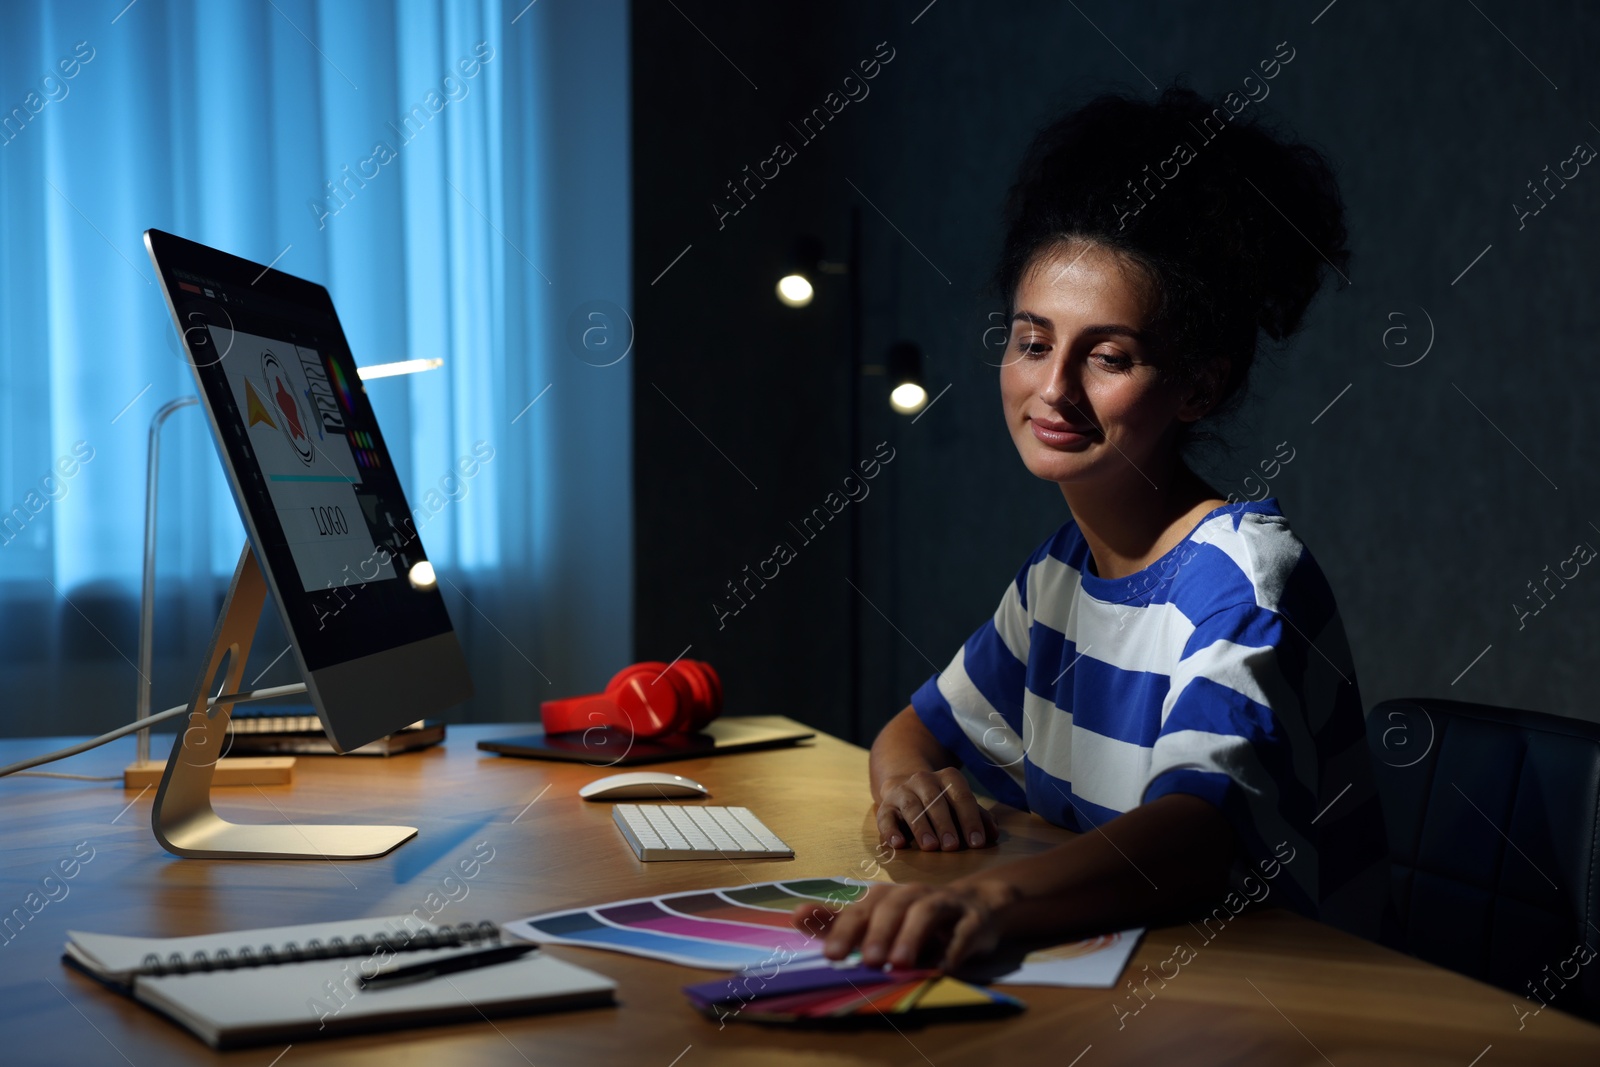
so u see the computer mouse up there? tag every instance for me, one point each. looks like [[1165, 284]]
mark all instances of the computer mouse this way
[[637, 785]]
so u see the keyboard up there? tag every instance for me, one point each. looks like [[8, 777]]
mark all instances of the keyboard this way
[[696, 832], [284, 730]]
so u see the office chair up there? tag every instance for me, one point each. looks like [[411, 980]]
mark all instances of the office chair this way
[[1493, 818]]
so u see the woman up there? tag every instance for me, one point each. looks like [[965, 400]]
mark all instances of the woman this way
[[1167, 674]]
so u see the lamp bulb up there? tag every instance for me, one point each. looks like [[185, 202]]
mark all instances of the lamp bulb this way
[[908, 398], [795, 290]]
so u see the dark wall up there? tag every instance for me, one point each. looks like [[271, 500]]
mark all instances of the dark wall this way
[[1431, 494]]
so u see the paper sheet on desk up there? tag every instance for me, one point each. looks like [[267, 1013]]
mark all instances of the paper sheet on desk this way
[[1094, 962]]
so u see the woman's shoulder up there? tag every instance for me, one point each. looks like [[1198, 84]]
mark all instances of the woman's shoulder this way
[[1244, 554]]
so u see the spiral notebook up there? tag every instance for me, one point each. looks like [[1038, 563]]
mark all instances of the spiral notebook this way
[[289, 983]]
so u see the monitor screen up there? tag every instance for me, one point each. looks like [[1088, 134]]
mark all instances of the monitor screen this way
[[317, 490]]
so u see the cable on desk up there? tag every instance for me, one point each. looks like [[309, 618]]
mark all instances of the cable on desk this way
[[161, 716], [74, 777]]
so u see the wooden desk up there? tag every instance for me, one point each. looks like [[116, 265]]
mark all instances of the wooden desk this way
[[1272, 988]]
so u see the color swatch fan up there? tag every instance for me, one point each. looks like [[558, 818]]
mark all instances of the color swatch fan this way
[[847, 995]]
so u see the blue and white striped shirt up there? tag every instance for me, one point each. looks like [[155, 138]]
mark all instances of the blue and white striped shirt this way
[[1221, 670]]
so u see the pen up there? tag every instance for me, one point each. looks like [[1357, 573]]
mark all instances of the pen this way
[[420, 972]]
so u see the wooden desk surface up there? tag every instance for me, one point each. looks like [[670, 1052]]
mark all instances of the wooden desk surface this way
[[1272, 988]]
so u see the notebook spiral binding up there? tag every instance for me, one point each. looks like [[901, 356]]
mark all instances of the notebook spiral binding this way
[[316, 949]]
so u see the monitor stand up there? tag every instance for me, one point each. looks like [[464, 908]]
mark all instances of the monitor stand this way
[[182, 817]]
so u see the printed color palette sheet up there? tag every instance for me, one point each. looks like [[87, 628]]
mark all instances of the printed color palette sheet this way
[[727, 929], [745, 927]]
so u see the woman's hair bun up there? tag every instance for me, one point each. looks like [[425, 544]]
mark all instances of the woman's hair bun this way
[[1233, 224]]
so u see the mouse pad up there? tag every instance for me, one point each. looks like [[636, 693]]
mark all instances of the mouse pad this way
[[607, 746]]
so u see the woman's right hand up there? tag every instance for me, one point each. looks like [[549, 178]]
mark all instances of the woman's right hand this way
[[934, 809]]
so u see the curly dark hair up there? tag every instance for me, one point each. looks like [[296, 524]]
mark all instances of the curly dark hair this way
[[1235, 243]]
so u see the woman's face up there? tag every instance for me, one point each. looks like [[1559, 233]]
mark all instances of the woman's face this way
[[1082, 387]]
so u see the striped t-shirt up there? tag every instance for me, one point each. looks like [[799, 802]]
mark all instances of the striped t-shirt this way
[[1221, 670]]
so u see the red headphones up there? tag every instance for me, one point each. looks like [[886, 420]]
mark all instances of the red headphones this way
[[649, 699]]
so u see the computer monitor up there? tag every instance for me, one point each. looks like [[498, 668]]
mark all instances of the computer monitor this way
[[321, 501]]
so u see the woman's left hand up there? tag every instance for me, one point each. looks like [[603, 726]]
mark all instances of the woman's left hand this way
[[904, 925]]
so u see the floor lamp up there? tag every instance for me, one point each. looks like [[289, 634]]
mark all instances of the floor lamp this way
[[907, 396]]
